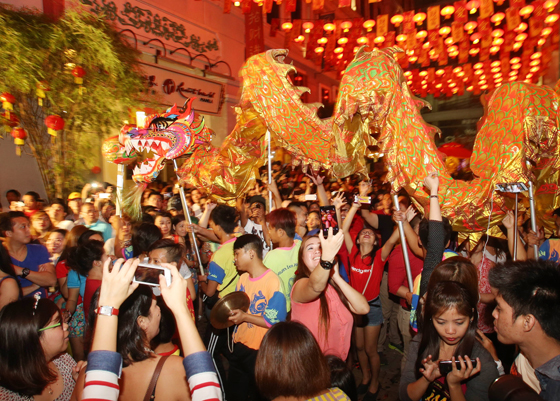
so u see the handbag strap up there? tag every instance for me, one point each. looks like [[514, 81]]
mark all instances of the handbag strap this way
[[369, 278], [152, 387]]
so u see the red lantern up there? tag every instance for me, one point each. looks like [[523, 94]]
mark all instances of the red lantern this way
[[19, 136], [54, 124], [96, 170], [10, 120], [8, 101], [42, 87], [79, 74]]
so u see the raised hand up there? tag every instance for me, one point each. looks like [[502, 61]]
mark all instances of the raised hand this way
[[175, 295], [331, 245], [116, 284], [339, 200], [317, 180], [509, 220], [432, 182], [411, 213]]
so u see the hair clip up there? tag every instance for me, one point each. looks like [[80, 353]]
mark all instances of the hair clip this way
[[37, 297]]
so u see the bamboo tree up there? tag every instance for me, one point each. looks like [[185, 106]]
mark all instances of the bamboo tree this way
[[34, 49]]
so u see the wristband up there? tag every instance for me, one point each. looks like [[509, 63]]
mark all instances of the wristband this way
[[433, 196], [107, 311]]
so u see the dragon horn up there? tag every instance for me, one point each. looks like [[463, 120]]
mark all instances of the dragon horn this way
[[187, 112], [391, 51]]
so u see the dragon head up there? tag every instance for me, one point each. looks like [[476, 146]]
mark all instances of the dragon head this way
[[167, 136]]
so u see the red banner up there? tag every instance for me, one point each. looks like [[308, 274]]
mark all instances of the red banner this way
[[382, 24], [408, 23], [461, 13], [254, 35], [486, 8], [433, 17], [227, 6], [457, 31]]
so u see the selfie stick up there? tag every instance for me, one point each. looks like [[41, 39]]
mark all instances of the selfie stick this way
[[533, 218], [187, 213], [269, 172], [120, 187], [404, 246], [515, 230]]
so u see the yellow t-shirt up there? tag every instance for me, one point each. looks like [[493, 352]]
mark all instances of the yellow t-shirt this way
[[222, 268], [284, 262]]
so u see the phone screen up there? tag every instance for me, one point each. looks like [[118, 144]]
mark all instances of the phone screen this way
[[148, 275], [328, 219]]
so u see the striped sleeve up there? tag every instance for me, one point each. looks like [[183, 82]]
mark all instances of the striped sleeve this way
[[203, 380], [102, 376]]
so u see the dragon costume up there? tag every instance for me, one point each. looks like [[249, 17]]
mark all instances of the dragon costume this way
[[517, 141]]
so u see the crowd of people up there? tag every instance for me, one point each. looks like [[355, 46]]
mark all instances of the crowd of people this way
[[324, 271]]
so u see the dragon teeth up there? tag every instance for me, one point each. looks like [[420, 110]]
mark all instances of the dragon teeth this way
[[164, 145], [150, 141]]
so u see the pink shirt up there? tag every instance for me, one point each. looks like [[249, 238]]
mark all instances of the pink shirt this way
[[338, 339]]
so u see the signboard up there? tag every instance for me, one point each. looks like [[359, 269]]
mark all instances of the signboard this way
[[148, 21], [175, 87]]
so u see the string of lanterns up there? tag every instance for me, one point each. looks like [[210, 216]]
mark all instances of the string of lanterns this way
[[474, 45]]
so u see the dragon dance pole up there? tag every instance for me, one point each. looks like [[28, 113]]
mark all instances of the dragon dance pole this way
[[269, 171], [120, 188], [533, 217], [188, 215], [404, 247], [515, 230]]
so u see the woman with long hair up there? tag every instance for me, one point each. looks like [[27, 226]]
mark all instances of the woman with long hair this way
[[138, 324], [290, 365], [449, 334], [41, 225], [83, 259], [321, 299], [367, 260], [33, 362], [10, 289]]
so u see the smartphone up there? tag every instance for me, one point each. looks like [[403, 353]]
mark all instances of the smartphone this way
[[94, 185], [148, 274], [328, 219], [514, 187], [362, 199], [104, 196], [311, 197], [445, 366]]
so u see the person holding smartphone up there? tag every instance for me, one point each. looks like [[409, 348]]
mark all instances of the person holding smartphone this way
[[449, 334]]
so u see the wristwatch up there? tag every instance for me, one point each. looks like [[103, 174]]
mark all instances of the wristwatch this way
[[327, 265], [24, 273], [107, 311]]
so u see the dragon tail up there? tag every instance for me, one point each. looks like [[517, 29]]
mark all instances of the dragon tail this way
[[132, 203]]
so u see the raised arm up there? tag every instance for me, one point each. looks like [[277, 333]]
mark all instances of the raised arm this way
[[205, 218], [321, 193], [410, 234], [346, 226], [309, 289], [436, 233], [389, 245], [338, 202], [240, 204], [509, 223], [276, 196], [371, 218]]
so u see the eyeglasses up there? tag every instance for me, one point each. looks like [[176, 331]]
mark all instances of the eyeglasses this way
[[52, 326]]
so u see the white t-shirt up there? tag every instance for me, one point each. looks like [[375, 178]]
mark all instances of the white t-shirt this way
[[65, 225], [253, 228]]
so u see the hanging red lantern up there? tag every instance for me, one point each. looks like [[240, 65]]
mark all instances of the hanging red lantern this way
[[54, 124], [96, 170], [19, 136], [42, 87], [8, 101], [10, 120], [79, 74]]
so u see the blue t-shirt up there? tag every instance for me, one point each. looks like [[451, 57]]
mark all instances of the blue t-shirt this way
[[37, 255], [76, 280], [105, 229]]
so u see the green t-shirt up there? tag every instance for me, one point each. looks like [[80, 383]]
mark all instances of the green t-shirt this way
[[284, 262]]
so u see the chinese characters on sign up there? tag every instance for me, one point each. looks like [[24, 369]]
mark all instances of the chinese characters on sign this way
[[146, 21], [175, 87], [254, 35]]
